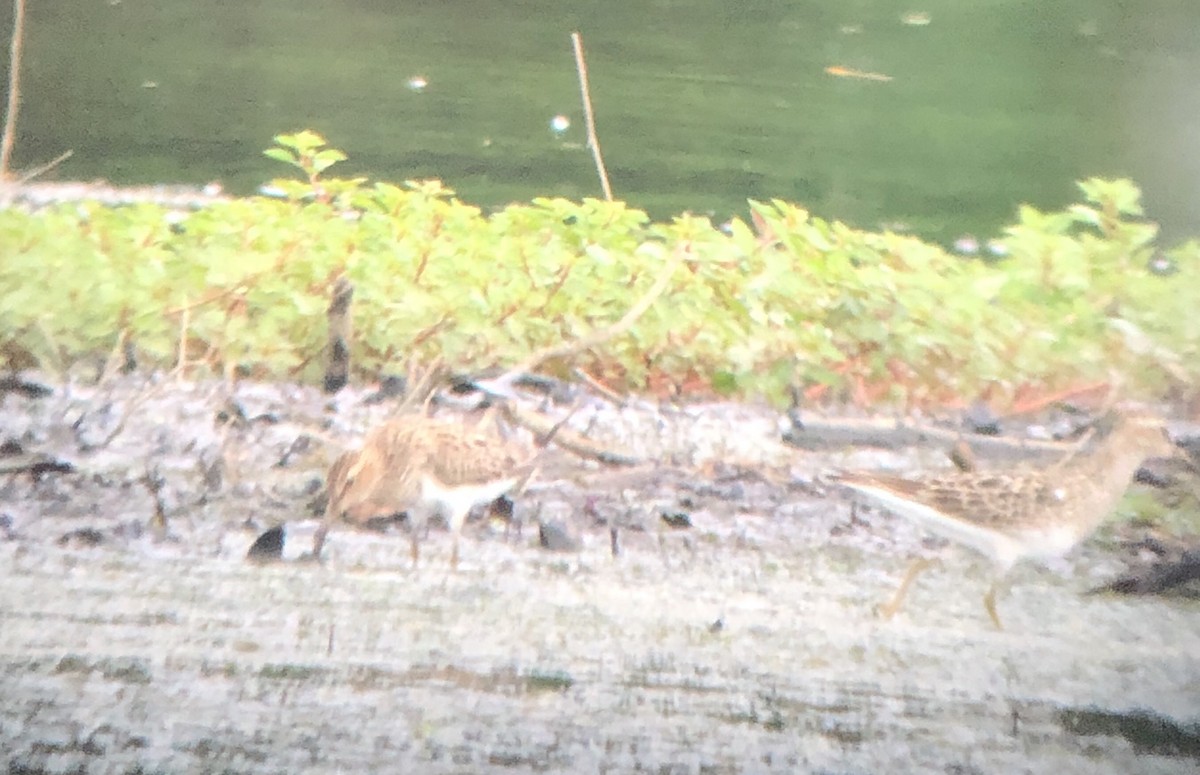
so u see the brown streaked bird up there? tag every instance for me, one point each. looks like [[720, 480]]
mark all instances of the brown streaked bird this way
[[423, 466], [1014, 515]]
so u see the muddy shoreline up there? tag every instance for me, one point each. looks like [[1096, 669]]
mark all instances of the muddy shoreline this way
[[135, 637]]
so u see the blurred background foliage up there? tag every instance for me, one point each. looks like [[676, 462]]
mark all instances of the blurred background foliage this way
[[781, 300]]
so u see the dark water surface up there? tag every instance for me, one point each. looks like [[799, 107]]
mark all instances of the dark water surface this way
[[700, 104]]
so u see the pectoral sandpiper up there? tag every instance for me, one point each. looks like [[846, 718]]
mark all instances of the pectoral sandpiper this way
[[1019, 514], [423, 467]]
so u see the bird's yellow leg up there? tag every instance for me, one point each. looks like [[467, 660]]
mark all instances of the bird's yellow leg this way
[[888, 610], [989, 602], [415, 548]]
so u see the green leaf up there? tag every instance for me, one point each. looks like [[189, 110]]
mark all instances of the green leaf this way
[[326, 159], [279, 154], [724, 383]]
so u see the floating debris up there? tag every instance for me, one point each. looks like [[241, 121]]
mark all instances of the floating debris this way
[[916, 18], [849, 72], [966, 245], [1162, 265], [997, 248]]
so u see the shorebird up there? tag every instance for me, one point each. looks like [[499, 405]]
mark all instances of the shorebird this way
[[423, 466], [1018, 514]]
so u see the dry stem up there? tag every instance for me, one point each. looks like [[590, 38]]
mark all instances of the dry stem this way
[[36, 171], [14, 87], [589, 118], [604, 334]]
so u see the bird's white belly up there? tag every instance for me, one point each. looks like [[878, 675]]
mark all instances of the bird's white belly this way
[[460, 499]]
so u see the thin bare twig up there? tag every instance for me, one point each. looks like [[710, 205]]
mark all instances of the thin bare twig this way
[[36, 171], [154, 482], [589, 118], [131, 408], [14, 87], [181, 363], [340, 333], [115, 356], [58, 368], [576, 443], [604, 334], [422, 384], [598, 386], [566, 438]]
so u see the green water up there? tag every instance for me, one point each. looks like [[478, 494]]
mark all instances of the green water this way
[[700, 105]]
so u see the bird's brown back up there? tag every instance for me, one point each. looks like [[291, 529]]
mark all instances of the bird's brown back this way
[[383, 477], [993, 500], [1081, 491]]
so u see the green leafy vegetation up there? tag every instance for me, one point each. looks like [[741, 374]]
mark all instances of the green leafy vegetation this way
[[785, 299]]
